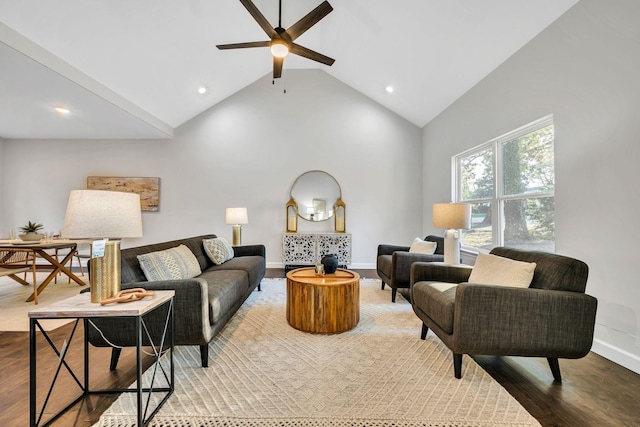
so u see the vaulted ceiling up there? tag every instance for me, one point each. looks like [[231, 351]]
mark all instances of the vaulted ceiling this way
[[132, 68]]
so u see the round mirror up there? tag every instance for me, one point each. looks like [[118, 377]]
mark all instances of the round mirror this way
[[315, 192]]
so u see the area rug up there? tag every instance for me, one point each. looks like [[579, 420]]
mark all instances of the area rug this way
[[14, 309], [263, 373]]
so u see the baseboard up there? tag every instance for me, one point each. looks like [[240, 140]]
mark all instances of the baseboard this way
[[616, 355]]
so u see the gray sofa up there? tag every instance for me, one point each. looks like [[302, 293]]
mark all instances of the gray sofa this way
[[202, 305], [552, 318]]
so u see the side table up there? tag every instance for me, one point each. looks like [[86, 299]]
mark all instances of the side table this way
[[80, 307], [324, 304]]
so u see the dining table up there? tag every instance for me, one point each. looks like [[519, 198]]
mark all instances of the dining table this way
[[54, 263]]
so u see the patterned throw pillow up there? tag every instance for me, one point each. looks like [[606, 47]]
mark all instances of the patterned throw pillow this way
[[171, 264], [218, 250]]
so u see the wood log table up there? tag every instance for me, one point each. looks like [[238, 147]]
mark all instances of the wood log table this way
[[323, 303]]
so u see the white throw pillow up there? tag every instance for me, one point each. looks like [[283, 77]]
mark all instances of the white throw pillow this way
[[420, 246], [496, 270], [171, 264], [218, 250]]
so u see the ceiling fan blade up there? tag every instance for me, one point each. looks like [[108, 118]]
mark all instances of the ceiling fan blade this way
[[309, 20], [242, 45], [259, 17], [310, 54], [277, 67]]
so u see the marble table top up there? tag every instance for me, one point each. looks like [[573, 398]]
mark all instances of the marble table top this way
[[80, 306]]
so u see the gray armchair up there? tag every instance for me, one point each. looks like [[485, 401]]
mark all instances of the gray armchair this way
[[553, 318], [394, 263]]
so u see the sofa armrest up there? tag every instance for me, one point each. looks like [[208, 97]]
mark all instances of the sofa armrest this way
[[523, 321], [428, 271], [390, 249], [250, 250]]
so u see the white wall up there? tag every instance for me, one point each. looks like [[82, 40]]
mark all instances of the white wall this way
[[584, 70], [4, 230], [245, 151]]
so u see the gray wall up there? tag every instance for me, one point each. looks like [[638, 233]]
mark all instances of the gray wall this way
[[584, 70], [246, 151], [3, 230]]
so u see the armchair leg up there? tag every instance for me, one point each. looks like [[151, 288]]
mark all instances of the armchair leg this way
[[204, 355], [423, 334], [382, 288], [555, 369], [393, 294], [115, 356], [457, 365]]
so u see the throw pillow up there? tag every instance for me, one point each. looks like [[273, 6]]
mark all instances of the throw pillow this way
[[171, 264], [496, 270], [218, 250], [420, 246]]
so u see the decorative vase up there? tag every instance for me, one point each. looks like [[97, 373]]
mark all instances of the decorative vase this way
[[330, 263], [31, 237]]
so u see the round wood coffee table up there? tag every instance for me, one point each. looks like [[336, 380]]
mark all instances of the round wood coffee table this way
[[323, 304]]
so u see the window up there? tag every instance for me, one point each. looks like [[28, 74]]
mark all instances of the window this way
[[509, 182]]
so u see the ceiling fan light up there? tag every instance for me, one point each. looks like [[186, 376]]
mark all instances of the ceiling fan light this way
[[279, 48]]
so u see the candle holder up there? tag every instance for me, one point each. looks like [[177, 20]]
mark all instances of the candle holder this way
[[339, 210], [292, 216]]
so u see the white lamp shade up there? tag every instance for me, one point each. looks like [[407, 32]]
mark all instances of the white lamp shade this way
[[452, 215], [98, 214], [236, 216]]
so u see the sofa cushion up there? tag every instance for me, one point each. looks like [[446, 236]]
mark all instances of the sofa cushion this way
[[496, 270], [170, 264], [437, 300], [225, 288], [218, 250], [420, 246], [253, 265]]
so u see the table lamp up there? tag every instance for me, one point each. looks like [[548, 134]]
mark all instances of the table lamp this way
[[237, 217], [453, 217], [107, 216]]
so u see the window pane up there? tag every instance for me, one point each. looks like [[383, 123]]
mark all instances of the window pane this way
[[527, 163], [476, 175], [529, 224], [481, 234]]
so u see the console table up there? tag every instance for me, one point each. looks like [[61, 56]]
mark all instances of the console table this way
[[307, 249], [80, 307]]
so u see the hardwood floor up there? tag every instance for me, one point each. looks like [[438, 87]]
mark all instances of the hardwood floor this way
[[594, 391]]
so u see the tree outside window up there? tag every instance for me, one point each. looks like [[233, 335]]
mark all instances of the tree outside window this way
[[509, 183]]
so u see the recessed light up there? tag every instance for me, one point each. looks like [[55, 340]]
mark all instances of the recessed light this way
[[389, 89], [202, 90], [61, 109]]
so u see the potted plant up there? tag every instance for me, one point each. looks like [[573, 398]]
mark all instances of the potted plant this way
[[31, 232]]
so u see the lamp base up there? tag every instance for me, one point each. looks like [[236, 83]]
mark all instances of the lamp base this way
[[237, 235], [105, 272], [452, 246]]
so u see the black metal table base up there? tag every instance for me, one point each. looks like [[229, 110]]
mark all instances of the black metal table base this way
[[144, 412]]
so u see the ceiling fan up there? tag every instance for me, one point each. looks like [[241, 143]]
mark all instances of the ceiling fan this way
[[281, 42]]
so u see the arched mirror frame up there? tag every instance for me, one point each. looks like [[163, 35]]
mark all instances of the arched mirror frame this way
[[319, 204]]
